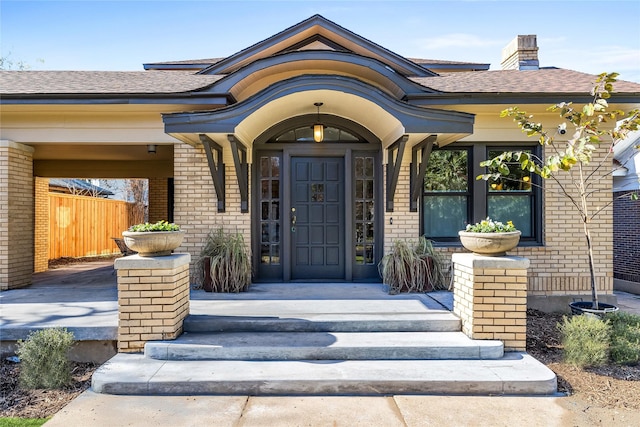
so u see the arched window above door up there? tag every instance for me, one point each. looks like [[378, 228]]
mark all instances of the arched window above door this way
[[305, 134], [300, 130]]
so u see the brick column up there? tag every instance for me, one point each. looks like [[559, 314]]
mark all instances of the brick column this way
[[16, 215], [158, 195], [41, 235], [153, 299], [490, 297]]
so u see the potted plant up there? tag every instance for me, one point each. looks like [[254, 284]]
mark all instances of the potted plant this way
[[157, 239], [412, 268], [224, 263], [571, 156], [489, 237]]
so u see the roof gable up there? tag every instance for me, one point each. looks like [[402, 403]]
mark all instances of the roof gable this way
[[317, 33]]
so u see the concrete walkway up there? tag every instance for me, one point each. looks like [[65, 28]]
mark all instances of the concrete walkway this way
[[100, 410]]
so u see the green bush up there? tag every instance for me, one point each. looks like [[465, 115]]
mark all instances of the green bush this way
[[625, 338], [44, 362], [586, 340]]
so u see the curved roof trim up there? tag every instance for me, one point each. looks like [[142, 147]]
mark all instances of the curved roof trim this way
[[367, 69], [414, 119], [320, 26]]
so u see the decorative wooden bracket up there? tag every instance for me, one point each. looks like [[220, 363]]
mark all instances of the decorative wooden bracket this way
[[239, 151], [393, 168], [417, 170], [216, 166]]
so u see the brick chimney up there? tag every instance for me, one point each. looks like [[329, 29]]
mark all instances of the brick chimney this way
[[521, 54]]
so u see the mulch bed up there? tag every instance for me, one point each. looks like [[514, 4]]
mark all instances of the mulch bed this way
[[18, 402], [609, 386]]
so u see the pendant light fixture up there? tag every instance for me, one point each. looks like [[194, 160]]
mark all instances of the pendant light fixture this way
[[318, 128]]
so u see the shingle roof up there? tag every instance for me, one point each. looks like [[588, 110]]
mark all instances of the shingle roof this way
[[102, 82], [545, 80], [548, 80], [80, 185], [206, 61]]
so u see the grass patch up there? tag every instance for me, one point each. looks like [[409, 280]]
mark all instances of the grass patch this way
[[22, 422]]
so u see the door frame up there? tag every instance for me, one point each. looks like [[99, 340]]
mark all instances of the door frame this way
[[288, 150]]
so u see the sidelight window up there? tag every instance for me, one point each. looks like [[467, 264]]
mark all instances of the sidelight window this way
[[364, 209], [270, 210]]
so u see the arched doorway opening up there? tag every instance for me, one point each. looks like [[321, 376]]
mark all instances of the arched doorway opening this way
[[318, 204]]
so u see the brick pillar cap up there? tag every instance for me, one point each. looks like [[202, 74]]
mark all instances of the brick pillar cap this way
[[479, 261], [136, 262]]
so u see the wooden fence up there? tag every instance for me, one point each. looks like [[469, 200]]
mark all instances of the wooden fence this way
[[81, 226]]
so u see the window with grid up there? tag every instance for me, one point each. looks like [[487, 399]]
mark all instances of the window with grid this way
[[446, 199]]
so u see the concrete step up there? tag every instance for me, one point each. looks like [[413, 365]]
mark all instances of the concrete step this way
[[513, 374], [323, 346], [428, 321]]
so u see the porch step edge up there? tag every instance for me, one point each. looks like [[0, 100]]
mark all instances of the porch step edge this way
[[393, 322], [324, 346], [513, 374]]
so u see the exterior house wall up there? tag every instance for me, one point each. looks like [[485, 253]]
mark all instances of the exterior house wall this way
[[17, 213], [195, 202], [626, 247], [158, 195], [406, 224]]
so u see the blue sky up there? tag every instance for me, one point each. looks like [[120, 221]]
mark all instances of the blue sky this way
[[585, 35]]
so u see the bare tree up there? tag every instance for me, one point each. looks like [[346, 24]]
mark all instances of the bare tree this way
[[137, 192]]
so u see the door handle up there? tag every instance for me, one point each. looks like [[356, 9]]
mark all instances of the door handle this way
[[293, 219]]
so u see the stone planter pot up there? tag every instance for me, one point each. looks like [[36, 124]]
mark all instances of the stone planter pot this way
[[489, 244], [153, 243]]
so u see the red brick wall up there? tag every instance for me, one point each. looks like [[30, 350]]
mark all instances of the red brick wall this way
[[626, 238]]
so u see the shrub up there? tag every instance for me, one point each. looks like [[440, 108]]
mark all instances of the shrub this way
[[625, 338], [586, 340], [44, 362]]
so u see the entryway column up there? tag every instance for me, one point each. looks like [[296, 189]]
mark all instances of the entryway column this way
[[490, 297], [16, 215], [153, 299]]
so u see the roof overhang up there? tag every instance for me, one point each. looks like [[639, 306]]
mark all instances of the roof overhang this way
[[342, 96]]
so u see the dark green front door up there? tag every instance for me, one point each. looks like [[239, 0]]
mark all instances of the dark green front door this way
[[317, 218]]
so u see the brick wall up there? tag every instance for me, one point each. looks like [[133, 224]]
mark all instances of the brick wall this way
[[16, 215], [195, 202], [41, 232], [406, 224], [158, 195], [626, 237]]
